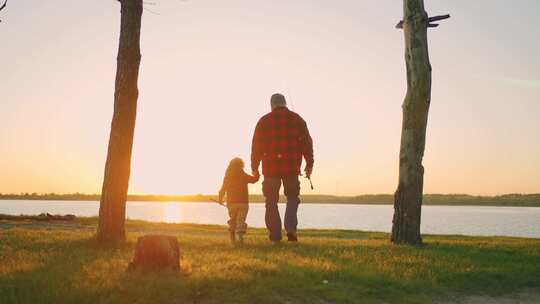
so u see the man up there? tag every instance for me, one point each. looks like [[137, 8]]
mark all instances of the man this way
[[280, 141]]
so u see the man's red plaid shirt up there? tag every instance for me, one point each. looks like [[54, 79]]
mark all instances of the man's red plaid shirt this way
[[280, 141]]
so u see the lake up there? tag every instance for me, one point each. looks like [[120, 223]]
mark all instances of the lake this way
[[466, 220]]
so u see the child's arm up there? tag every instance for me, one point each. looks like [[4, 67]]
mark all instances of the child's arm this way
[[222, 191], [221, 195]]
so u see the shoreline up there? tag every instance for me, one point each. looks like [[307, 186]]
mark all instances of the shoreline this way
[[530, 204], [67, 221]]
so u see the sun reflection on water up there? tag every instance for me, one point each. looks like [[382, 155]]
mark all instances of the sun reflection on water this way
[[172, 213]]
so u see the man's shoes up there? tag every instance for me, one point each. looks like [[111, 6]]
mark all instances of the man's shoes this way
[[275, 241], [292, 237]]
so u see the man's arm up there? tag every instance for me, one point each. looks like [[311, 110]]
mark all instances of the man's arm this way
[[251, 179], [256, 153], [307, 149]]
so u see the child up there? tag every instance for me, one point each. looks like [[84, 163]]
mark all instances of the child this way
[[235, 186]]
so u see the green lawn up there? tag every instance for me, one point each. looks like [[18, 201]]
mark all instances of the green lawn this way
[[63, 264]]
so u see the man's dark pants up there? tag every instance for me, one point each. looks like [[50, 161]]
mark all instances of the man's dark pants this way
[[271, 187]]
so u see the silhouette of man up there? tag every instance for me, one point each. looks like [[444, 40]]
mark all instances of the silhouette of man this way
[[280, 141]]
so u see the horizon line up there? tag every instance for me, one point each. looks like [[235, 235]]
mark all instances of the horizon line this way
[[259, 194]]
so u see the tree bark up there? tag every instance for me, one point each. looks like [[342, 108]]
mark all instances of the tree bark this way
[[408, 196], [112, 208]]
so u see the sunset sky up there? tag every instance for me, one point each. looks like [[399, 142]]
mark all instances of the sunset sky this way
[[208, 70]]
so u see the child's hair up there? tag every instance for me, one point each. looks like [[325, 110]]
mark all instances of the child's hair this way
[[236, 166]]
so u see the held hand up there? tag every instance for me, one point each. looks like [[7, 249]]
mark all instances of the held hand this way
[[256, 173], [308, 172]]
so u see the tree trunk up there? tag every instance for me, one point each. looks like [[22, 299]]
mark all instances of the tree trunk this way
[[112, 208], [408, 196]]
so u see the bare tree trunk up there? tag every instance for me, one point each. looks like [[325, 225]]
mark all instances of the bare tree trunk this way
[[112, 208], [408, 196], [3, 6]]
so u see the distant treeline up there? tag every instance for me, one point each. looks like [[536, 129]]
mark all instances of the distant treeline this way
[[525, 200]]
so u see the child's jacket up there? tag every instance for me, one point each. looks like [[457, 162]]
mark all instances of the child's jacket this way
[[236, 187]]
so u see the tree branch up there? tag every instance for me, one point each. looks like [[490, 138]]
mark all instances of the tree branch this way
[[430, 20]]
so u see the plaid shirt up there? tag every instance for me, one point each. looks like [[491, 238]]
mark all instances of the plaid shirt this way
[[281, 139]]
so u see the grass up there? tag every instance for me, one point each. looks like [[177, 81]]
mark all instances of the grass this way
[[43, 263]]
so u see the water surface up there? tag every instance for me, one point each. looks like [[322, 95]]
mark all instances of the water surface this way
[[466, 220]]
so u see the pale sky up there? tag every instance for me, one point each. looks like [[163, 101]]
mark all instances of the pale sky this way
[[209, 67]]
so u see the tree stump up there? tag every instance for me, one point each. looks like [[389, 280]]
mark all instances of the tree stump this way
[[156, 252]]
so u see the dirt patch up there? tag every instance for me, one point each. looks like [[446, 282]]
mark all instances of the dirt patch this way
[[32, 224], [76, 226], [529, 296]]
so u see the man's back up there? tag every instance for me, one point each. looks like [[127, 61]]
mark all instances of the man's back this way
[[281, 139]]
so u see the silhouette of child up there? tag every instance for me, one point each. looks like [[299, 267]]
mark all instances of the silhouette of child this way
[[235, 188]]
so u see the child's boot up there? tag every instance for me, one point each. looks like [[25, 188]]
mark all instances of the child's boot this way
[[240, 238], [231, 237]]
